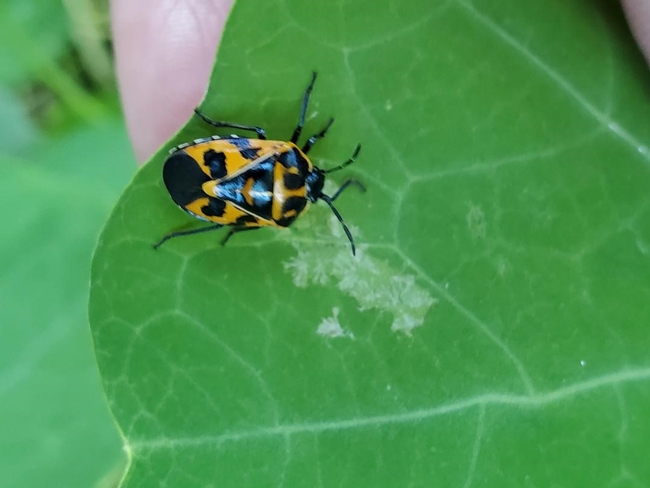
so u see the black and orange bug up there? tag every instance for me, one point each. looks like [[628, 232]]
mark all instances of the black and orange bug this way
[[248, 184]]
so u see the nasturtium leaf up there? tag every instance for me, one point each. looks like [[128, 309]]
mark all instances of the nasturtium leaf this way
[[55, 427], [493, 329]]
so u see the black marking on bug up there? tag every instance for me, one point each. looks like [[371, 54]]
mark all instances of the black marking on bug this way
[[245, 218], [239, 142], [245, 149], [293, 181], [293, 203], [216, 162], [263, 176], [249, 153], [293, 159], [215, 208], [183, 179]]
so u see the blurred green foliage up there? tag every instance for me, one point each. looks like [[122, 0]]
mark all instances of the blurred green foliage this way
[[64, 157]]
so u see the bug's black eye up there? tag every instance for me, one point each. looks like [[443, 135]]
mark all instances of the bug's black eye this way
[[183, 178]]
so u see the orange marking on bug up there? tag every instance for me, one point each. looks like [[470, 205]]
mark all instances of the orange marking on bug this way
[[281, 193], [196, 152], [235, 162], [247, 191], [210, 188], [196, 206], [231, 213]]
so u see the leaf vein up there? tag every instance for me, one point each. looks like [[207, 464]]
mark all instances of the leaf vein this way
[[488, 399], [603, 118]]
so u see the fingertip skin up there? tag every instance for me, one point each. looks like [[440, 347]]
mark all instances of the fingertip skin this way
[[638, 16], [164, 52]]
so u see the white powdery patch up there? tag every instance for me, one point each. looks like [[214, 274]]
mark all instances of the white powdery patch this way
[[331, 327], [372, 282]]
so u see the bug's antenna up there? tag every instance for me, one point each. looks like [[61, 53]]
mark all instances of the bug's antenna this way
[[347, 163], [328, 200]]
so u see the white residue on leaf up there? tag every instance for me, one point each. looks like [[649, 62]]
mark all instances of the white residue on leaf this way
[[476, 221], [372, 282], [331, 327]]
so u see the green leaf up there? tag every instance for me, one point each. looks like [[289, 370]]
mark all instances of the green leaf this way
[[56, 429], [493, 329]]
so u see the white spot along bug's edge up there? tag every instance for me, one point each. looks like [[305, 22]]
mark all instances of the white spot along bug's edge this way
[[373, 283]]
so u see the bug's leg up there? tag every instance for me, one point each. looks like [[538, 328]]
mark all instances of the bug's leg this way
[[303, 110], [261, 134], [312, 140], [346, 184], [347, 163], [235, 230], [171, 235]]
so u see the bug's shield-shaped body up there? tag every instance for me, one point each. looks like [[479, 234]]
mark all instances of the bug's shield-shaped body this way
[[242, 182]]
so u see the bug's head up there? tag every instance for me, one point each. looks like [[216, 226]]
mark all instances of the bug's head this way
[[315, 181], [316, 178]]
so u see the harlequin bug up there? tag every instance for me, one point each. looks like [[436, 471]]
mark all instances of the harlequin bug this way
[[247, 183]]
